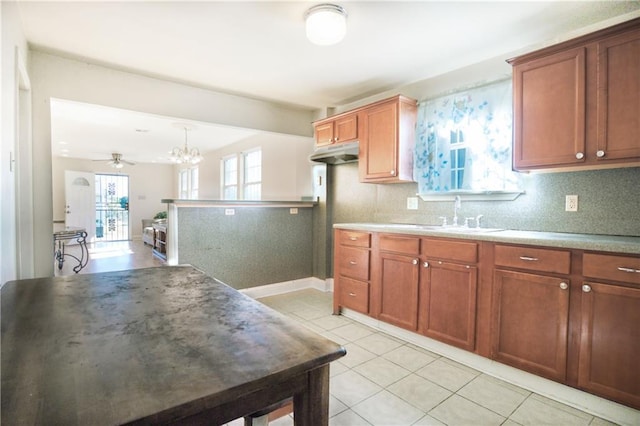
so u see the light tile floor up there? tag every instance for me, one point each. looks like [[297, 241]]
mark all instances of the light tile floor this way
[[385, 381]]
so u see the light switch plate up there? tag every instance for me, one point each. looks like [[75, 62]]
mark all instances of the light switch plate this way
[[412, 203]]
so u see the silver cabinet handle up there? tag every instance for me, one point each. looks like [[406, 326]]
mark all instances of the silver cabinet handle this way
[[528, 258], [352, 294], [623, 269], [425, 264], [579, 155], [392, 172], [564, 286], [352, 262], [353, 238], [600, 154], [586, 288], [414, 261]]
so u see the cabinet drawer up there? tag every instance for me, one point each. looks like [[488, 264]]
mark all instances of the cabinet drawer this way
[[610, 267], [354, 263], [354, 238], [399, 244], [450, 250], [534, 259], [354, 295]]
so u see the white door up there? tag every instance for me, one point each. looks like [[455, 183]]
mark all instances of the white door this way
[[80, 206]]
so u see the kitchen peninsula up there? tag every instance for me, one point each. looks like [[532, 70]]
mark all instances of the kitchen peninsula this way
[[244, 243]]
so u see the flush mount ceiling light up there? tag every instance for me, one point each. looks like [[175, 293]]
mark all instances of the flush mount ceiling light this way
[[326, 24], [185, 154]]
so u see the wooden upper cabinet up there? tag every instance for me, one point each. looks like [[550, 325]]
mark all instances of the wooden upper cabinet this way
[[576, 104], [337, 129], [619, 97], [387, 141], [549, 110]]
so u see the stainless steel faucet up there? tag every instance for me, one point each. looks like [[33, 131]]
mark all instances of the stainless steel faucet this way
[[457, 203]]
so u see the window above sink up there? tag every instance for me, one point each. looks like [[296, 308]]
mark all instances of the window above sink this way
[[464, 145]]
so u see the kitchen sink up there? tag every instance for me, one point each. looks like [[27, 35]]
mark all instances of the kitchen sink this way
[[441, 228]]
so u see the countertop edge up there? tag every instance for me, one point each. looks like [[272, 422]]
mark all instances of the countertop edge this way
[[237, 203], [605, 243]]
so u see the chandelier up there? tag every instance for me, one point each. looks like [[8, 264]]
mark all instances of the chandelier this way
[[185, 154]]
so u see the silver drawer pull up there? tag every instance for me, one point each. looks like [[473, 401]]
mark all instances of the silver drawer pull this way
[[586, 288], [352, 262], [414, 261], [352, 294], [528, 259], [623, 269], [353, 238], [564, 286]]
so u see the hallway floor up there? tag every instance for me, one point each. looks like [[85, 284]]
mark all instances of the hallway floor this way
[[110, 256]]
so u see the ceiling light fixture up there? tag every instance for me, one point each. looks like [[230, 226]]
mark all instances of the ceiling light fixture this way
[[185, 154], [326, 24]]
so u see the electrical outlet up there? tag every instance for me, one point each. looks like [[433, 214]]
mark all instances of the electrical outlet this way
[[571, 203], [293, 210], [229, 212], [412, 203]]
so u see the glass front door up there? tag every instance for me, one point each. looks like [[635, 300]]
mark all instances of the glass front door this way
[[112, 207]]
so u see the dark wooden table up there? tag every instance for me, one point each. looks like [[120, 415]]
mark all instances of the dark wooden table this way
[[153, 346]]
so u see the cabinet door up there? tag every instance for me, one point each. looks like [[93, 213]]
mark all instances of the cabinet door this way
[[379, 145], [619, 97], [448, 303], [529, 326], [324, 133], [610, 342], [346, 128], [549, 110], [398, 302]]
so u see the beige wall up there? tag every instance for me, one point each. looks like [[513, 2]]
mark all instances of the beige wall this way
[[54, 76], [286, 170], [148, 184]]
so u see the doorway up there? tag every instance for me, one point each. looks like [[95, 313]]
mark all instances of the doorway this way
[[112, 207]]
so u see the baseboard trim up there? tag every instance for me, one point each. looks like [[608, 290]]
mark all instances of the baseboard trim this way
[[595, 405], [288, 286]]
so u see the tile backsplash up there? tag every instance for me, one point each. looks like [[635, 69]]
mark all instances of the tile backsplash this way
[[609, 202]]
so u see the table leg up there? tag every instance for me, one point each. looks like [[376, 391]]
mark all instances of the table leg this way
[[311, 408]]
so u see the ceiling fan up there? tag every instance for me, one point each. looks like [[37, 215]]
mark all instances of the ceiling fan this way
[[117, 162]]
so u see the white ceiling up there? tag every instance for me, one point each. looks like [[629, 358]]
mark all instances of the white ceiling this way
[[259, 49]]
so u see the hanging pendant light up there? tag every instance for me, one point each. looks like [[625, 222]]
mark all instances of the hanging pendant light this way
[[326, 24], [185, 154]]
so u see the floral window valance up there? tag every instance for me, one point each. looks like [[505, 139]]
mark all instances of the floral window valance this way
[[463, 142]]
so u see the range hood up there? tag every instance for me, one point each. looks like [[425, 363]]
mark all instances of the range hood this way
[[339, 153]]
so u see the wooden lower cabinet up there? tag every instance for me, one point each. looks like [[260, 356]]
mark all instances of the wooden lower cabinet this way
[[448, 303], [610, 342], [514, 304], [530, 322], [354, 294], [398, 292]]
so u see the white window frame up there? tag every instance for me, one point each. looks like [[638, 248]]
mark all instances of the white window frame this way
[[241, 183], [188, 183], [224, 185]]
